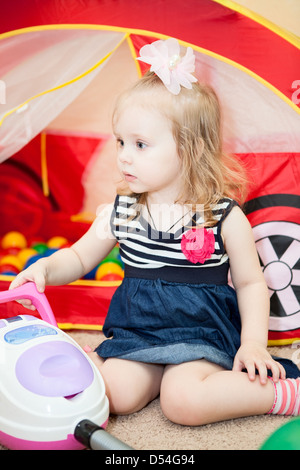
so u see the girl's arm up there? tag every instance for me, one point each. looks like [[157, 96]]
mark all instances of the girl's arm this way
[[70, 264], [252, 295]]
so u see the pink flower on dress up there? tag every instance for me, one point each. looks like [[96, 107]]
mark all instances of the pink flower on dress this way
[[165, 60], [198, 244]]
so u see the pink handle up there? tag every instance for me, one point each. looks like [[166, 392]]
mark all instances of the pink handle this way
[[29, 291]]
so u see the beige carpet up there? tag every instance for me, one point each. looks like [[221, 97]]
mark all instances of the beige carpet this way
[[150, 430]]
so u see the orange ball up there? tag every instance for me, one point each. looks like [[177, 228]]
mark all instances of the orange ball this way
[[57, 242], [12, 261], [108, 268], [25, 254], [14, 239]]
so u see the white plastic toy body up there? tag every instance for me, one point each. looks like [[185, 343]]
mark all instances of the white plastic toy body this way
[[47, 382]]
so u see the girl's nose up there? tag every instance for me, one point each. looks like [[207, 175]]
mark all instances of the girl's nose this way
[[124, 155]]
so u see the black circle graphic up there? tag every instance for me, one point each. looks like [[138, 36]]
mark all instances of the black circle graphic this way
[[278, 247]]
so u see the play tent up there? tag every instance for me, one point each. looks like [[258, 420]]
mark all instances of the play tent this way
[[62, 64]]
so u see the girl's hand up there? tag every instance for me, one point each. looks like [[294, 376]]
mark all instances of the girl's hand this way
[[35, 273], [252, 356]]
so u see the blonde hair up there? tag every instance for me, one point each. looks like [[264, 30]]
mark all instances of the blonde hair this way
[[195, 116]]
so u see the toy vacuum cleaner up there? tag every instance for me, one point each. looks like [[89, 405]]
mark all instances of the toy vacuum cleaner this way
[[52, 396]]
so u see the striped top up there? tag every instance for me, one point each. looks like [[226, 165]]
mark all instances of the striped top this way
[[142, 246]]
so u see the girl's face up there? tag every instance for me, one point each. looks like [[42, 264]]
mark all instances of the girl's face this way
[[147, 153]]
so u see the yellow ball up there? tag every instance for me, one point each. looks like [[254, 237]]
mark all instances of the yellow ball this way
[[25, 254], [57, 242], [108, 268], [12, 260], [14, 240]]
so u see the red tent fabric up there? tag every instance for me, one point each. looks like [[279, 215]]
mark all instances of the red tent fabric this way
[[201, 22]]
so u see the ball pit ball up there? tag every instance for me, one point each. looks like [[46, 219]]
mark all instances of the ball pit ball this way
[[57, 242], [7, 268], [114, 257], [287, 437], [112, 277], [25, 254], [31, 241], [40, 247], [50, 251], [14, 239], [91, 274], [32, 260], [11, 260], [18, 253], [13, 250], [108, 268]]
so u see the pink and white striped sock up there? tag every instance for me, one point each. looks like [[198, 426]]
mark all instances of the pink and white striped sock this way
[[287, 397]]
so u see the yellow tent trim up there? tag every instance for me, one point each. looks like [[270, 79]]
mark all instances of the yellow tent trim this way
[[134, 56], [44, 171], [80, 282], [63, 84], [94, 283], [79, 326], [248, 72], [117, 29], [290, 37], [127, 32], [283, 342]]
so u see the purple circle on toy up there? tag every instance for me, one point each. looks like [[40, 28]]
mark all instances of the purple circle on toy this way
[[54, 369]]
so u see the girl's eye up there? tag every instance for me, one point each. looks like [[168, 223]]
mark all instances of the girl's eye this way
[[120, 143], [141, 145]]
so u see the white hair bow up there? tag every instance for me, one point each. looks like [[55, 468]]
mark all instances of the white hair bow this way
[[165, 60]]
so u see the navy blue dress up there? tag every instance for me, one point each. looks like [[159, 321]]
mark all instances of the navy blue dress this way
[[168, 309]]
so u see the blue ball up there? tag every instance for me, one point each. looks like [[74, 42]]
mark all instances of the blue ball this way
[[92, 273], [50, 251], [32, 260]]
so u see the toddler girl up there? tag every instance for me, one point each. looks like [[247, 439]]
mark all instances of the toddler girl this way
[[175, 327]]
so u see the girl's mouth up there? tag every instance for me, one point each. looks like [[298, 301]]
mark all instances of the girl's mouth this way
[[128, 177]]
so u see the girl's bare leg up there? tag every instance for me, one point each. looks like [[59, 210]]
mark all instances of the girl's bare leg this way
[[129, 385], [199, 392]]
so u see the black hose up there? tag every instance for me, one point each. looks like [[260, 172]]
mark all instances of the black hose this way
[[94, 437]]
